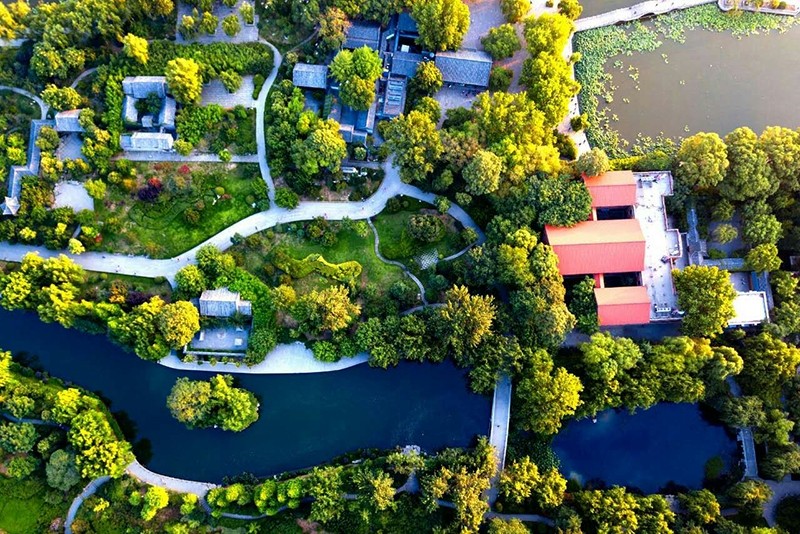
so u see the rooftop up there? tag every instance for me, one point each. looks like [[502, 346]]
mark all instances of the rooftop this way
[[405, 63], [465, 67], [310, 76], [612, 189], [363, 34], [618, 306], [750, 307], [596, 232]]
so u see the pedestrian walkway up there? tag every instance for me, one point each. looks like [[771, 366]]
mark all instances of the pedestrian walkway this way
[[141, 473], [498, 434], [626, 14], [90, 489]]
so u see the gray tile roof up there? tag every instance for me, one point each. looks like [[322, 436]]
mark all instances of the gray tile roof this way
[[146, 141], [406, 23], [129, 112], [223, 303], [394, 98], [11, 204], [363, 34], [166, 117], [141, 86], [405, 63], [465, 67], [310, 76], [67, 121]]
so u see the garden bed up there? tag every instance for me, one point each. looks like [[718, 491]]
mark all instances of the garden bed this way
[[170, 207]]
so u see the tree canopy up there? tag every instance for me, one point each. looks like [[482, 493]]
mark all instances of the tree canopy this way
[[706, 295], [215, 402], [442, 24]]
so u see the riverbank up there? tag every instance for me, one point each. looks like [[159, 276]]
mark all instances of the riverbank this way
[[284, 359]]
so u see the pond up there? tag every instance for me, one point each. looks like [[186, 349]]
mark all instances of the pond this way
[[714, 82], [304, 419], [646, 450]]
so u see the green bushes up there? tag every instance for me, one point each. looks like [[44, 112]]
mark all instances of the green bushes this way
[[315, 263], [263, 336], [426, 228]]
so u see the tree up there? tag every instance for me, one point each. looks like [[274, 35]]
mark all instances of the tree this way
[[541, 318], [416, 145], [325, 485], [782, 146], [179, 322], [17, 437], [701, 506], [375, 489], [135, 48], [514, 526], [550, 84], [155, 498], [183, 80], [427, 79], [333, 26], [326, 148], [518, 479], [62, 471], [426, 228], [75, 247], [327, 310], [501, 42], [763, 258], [286, 198], [442, 24], [611, 511], [762, 229], [190, 281], [5, 368], [768, 364], [546, 395], [702, 161], [547, 33], [208, 23], [706, 295], [515, 10], [469, 317], [216, 266], [231, 25], [356, 73], [189, 401], [200, 404], [593, 163], [749, 496], [749, 174], [61, 98], [482, 173], [561, 201], [603, 367], [247, 11], [570, 8], [724, 233]]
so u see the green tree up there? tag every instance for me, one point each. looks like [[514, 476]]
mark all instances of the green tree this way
[[215, 266], [762, 229], [782, 146], [442, 24], [231, 25], [61, 98], [469, 317], [155, 498], [749, 496], [375, 490], [482, 173], [66, 405], [724, 233], [550, 84], [548, 33], [17, 437], [356, 72], [749, 174], [189, 401], [200, 404], [183, 79], [593, 163], [327, 310], [179, 322], [416, 145], [561, 201], [208, 23], [706, 295], [515, 10], [513, 526], [546, 395], [603, 367], [518, 480], [326, 148], [427, 79], [612, 511], [135, 48], [501, 42], [333, 27], [702, 161], [701, 506], [190, 281], [62, 471], [763, 258], [768, 364], [540, 316], [571, 9], [325, 485]]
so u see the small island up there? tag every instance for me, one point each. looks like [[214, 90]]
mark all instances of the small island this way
[[212, 403]]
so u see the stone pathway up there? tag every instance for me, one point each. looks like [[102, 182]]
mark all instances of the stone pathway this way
[[81, 76], [90, 489], [377, 245], [43, 108], [141, 473], [780, 490], [498, 433]]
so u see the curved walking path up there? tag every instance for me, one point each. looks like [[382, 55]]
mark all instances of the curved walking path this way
[[90, 489], [627, 14], [81, 76], [377, 245], [780, 490], [43, 108], [141, 473], [261, 104]]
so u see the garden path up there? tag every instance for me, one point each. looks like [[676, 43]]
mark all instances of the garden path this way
[[81, 76], [498, 434], [87, 492], [261, 104], [377, 245], [780, 490], [44, 108]]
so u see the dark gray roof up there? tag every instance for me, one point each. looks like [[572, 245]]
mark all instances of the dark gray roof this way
[[406, 23], [394, 98], [363, 34], [465, 67], [405, 63], [310, 76]]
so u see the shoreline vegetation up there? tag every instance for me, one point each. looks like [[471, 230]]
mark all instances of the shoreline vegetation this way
[[599, 47]]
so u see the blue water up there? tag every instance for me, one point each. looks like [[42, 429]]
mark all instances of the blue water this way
[[646, 450], [304, 419]]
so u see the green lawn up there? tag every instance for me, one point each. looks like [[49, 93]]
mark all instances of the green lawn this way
[[16, 113], [188, 210], [397, 244], [255, 257], [23, 509]]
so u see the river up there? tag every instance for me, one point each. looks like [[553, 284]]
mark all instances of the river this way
[[304, 419]]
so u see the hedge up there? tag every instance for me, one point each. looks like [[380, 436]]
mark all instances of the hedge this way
[[341, 272]]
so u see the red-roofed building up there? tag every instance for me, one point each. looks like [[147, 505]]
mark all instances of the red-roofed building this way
[[598, 247], [612, 189], [622, 305]]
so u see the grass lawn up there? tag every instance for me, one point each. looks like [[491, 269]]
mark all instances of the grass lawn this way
[[284, 34], [188, 208], [23, 508], [397, 244], [16, 113]]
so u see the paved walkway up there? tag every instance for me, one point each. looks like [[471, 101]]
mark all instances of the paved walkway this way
[[626, 14], [141, 473], [43, 108], [498, 434], [261, 105], [377, 246], [745, 437], [90, 489], [81, 76], [174, 156], [780, 490], [286, 358]]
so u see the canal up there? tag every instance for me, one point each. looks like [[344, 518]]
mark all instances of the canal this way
[[304, 419]]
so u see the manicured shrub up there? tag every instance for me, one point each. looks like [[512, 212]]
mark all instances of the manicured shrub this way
[[426, 228]]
